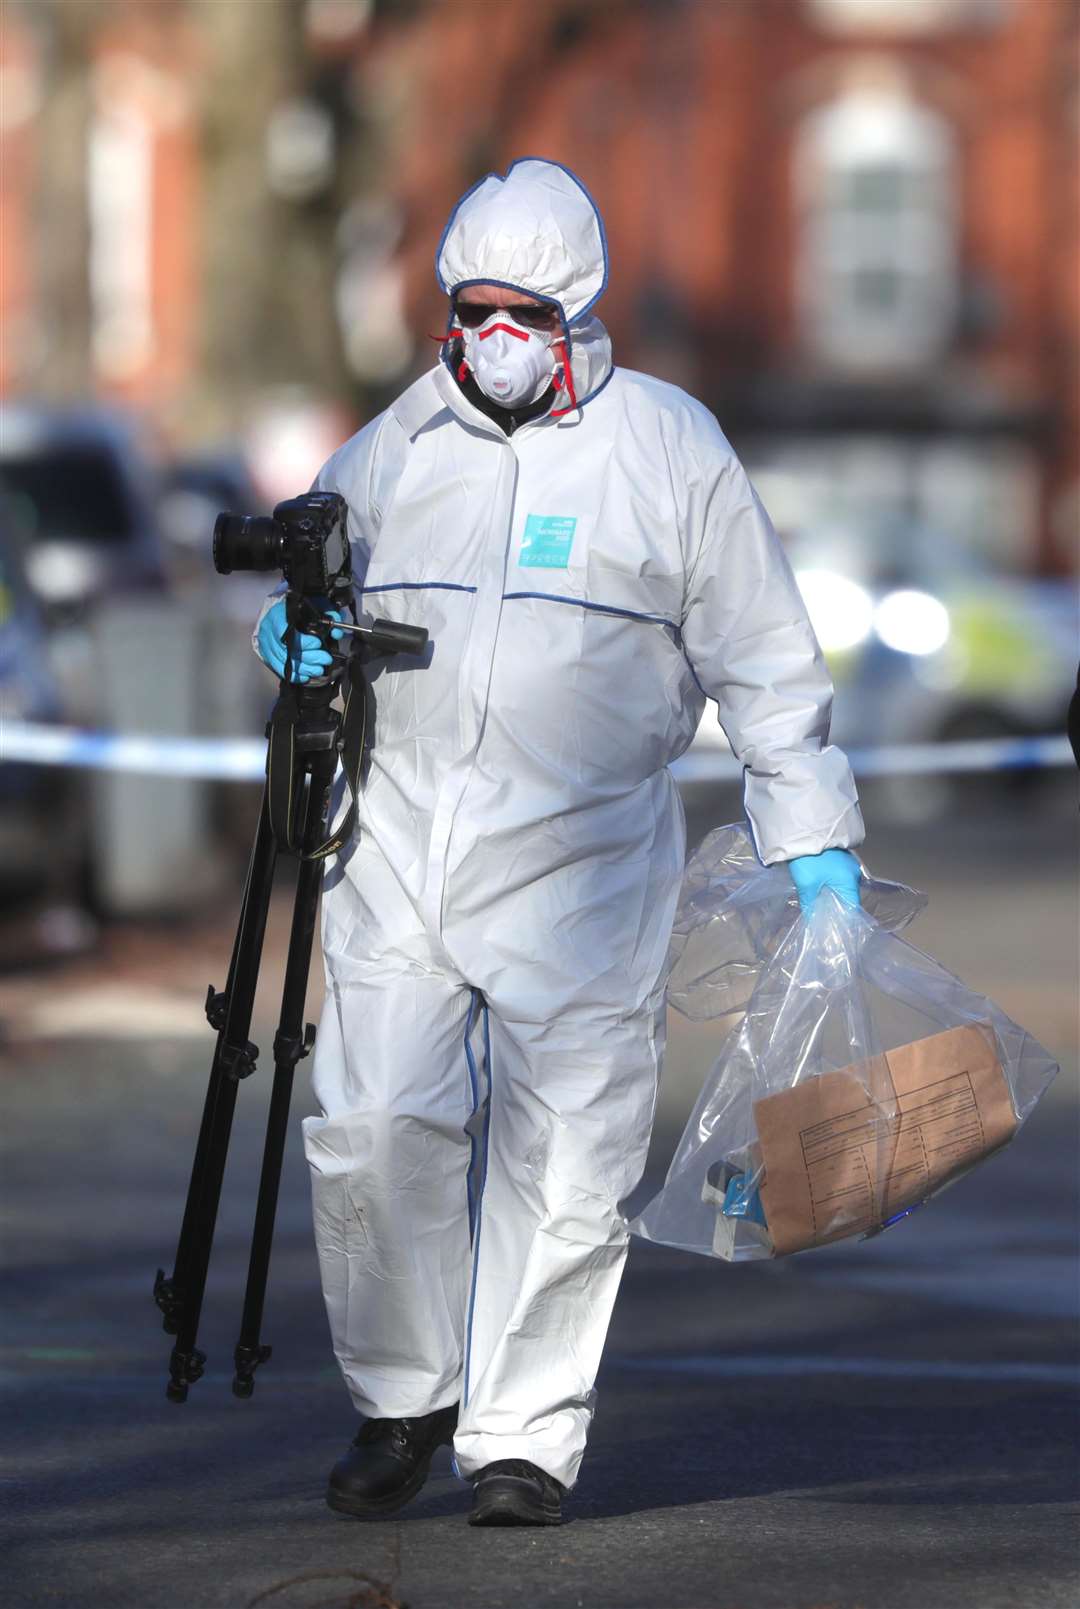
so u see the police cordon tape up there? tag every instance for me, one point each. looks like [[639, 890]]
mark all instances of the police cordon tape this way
[[911, 759], [244, 759]]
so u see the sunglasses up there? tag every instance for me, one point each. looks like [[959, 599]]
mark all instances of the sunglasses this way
[[470, 315]]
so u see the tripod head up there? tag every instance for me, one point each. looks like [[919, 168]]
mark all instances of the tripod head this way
[[377, 641], [381, 637], [304, 721]]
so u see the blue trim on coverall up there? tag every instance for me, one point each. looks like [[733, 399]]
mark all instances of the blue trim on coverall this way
[[479, 1209], [629, 614], [416, 586], [474, 1086], [599, 608]]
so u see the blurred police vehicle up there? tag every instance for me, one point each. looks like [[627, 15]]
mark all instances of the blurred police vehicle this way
[[959, 656], [927, 643]]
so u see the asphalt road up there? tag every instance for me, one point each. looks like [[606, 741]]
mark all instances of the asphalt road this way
[[880, 1426]]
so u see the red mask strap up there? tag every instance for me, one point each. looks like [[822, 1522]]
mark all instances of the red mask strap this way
[[452, 334], [566, 380]]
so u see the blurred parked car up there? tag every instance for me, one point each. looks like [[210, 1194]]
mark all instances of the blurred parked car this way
[[195, 489], [81, 497], [42, 825], [27, 686]]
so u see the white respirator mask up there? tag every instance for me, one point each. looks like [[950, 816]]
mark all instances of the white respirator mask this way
[[511, 365]]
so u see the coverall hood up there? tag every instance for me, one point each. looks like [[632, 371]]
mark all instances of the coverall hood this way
[[535, 230]]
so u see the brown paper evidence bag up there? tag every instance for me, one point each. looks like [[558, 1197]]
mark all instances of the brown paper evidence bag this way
[[839, 1163]]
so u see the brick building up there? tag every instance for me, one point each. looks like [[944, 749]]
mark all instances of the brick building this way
[[850, 226]]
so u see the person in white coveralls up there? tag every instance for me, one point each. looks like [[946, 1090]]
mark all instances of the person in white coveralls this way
[[592, 563]]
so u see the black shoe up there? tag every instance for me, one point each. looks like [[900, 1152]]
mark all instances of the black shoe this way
[[513, 1492], [388, 1463]]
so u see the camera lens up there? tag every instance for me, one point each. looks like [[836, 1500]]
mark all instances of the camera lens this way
[[246, 542]]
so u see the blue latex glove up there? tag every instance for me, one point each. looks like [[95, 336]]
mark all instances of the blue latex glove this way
[[314, 659], [833, 868]]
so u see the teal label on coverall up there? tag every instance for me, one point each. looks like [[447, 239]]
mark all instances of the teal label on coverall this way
[[547, 541]]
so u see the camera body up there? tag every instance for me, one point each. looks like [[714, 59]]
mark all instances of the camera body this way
[[306, 538]]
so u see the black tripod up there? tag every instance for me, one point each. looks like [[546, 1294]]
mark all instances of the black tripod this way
[[305, 741]]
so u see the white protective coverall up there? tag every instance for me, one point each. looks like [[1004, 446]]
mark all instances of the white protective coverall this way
[[495, 935]]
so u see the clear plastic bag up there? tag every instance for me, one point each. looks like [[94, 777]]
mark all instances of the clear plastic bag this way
[[733, 913], [862, 1078]]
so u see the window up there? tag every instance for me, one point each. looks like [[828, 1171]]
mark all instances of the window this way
[[876, 270], [906, 16]]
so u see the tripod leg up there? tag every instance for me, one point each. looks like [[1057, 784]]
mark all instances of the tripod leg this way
[[291, 1043], [168, 1292], [181, 1297]]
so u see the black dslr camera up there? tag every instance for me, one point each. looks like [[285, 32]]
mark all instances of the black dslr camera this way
[[305, 538]]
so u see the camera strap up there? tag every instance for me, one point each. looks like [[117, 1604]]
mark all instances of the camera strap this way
[[351, 753], [281, 763]]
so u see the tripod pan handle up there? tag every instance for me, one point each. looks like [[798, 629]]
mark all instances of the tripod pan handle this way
[[387, 637]]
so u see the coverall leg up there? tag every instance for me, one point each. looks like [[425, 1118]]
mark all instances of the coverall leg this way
[[570, 1110], [389, 1163]]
